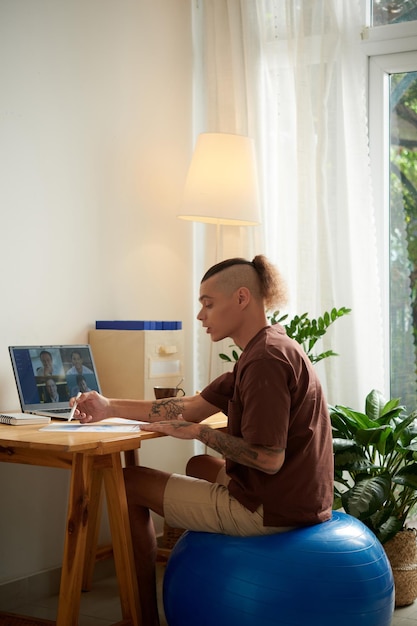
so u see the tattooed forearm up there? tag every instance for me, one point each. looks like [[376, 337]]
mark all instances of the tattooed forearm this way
[[230, 447], [259, 457], [167, 409]]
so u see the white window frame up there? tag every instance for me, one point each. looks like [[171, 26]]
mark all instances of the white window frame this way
[[390, 49]]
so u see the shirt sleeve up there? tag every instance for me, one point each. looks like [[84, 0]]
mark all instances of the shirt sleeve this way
[[220, 391]]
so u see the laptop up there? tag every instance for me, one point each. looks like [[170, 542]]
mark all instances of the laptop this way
[[48, 376]]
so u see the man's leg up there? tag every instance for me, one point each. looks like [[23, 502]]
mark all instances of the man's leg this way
[[145, 491], [204, 466]]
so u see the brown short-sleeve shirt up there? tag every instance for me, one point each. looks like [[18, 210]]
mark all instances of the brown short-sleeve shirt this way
[[274, 398]]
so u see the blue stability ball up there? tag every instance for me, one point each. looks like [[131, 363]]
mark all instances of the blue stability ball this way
[[332, 573]]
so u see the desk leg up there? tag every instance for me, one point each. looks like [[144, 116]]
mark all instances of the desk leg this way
[[94, 515], [122, 541], [131, 457], [75, 540]]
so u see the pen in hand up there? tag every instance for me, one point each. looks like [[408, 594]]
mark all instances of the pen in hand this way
[[71, 415]]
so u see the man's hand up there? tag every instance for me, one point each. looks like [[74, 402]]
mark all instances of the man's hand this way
[[175, 428], [91, 407]]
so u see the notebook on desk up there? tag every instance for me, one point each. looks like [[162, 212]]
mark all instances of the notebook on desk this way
[[48, 376]]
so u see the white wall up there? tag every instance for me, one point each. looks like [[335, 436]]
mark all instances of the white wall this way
[[95, 140]]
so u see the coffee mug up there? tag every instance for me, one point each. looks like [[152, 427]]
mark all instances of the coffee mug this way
[[167, 392]]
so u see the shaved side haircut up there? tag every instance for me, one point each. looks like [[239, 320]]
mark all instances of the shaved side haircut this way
[[259, 276]]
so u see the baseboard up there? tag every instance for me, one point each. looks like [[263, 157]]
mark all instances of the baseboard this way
[[29, 590], [13, 619]]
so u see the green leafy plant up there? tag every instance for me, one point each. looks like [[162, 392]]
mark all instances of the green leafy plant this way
[[304, 330], [375, 455]]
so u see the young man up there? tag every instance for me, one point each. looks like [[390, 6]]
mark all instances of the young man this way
[[278, 467]]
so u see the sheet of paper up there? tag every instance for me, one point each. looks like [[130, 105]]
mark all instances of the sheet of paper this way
[[121, 420], [95, 428]]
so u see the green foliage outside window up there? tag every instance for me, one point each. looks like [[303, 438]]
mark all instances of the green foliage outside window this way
[[403, 236]]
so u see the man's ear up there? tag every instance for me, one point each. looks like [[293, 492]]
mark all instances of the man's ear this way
[[244, 296]]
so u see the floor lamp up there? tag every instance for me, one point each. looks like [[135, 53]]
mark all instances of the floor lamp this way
[[222, 185], [222, 182]]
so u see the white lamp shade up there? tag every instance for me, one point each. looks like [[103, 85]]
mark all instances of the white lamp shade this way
[[222, 183]]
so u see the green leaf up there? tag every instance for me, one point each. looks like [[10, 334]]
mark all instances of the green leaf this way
[[323, 355], [382, 516], [367, 496], [393, 406], [402, 426], [339, 426], [374, 404], [389, 529], [341, 444], [354, 418], [407, 476], [351, 460], [374, 437]]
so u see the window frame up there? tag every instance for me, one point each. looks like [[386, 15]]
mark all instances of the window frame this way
[[390, 49]]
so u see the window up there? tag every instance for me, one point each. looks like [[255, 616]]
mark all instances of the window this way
[[393, 12], [403, 233], [393, 145]]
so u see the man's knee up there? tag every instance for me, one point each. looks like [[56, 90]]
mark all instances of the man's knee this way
[[204, 466], [145, 487]]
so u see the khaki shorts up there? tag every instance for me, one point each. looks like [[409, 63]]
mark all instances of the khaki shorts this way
[[199, 505]]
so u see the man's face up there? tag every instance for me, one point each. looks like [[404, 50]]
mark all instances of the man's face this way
[[77, 361], [46, 360], [51, 387], [219, 313]]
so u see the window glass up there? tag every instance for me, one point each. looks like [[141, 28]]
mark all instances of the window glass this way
[[403, 235], [392, 12]]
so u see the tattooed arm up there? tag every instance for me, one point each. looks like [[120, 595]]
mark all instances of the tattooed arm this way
[[264, 458], [180, 417], [93, 407]]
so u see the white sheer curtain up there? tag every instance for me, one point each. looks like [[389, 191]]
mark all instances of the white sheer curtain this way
[[292, 75]]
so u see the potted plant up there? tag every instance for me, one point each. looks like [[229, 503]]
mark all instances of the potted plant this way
[[375, 458], [304, 330]]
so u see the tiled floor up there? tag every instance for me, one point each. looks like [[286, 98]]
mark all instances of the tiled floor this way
[[101, 606], [405, 616]]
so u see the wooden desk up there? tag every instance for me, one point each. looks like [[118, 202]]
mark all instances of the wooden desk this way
[[93, 458]]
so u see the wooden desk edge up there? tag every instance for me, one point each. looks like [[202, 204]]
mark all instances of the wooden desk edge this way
[[218, 420]]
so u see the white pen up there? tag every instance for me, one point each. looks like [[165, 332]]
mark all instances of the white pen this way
[[74, 406]]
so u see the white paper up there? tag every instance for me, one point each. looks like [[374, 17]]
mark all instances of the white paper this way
[[95, 428]]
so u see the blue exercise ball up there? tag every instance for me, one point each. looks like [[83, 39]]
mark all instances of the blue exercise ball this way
[[331, 573]]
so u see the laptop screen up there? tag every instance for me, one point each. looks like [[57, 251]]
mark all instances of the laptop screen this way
[[48, 376]]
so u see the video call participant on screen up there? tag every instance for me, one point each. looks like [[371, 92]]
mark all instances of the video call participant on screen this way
[[52, 393], [48, 368], [81, 385], [77, 364]]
